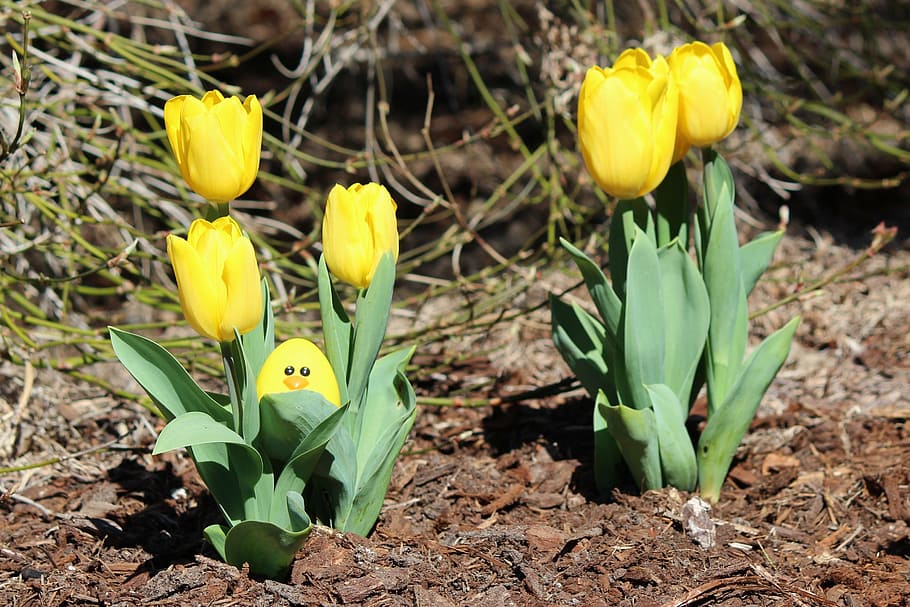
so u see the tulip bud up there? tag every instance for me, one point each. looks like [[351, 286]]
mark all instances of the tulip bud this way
[[710, 94], [627, 123], [359, 226], [217, 278], [216, 142]]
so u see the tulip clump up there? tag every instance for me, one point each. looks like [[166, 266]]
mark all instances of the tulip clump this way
[[668, 321], [299, 435]]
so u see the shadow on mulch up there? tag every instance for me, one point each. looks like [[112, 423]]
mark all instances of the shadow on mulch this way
[[164, 528], [565, 431]]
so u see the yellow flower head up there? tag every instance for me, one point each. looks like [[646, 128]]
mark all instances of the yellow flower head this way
[[710, 94], [216, 142], [627, 123], [359, 226], [217, 278]]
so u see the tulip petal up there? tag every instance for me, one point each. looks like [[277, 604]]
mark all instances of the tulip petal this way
[[243, 306], [664, 115], [212, 246], [201, 301], [710, 93], [251, 140], [211, 165], [632, 58], [382, 224], [347, 241], [614, 130], [173, 109]]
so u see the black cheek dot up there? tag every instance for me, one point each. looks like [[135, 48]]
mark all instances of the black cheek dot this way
[[289, 370], [305, 371]]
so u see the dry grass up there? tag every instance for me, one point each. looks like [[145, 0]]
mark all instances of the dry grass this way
[[464, 109]]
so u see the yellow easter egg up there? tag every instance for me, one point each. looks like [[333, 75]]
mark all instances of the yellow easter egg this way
[[298, 364]]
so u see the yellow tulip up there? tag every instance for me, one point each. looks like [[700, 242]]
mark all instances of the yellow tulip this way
[[627, 123], [216, 142], [359, 226], [710, 94], [217, 278]]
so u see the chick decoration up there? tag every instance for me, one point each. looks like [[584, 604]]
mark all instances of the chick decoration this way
[[297, 389], [298, 364]]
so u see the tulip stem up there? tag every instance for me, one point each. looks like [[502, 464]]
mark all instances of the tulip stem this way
[[217, 209], [234, 387]]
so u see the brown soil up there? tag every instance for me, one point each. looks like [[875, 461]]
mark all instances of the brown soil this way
[[495, 505]]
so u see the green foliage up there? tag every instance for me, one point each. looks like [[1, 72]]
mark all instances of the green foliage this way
[[663, 321], [267, 522], [259, 457], [350, 485]]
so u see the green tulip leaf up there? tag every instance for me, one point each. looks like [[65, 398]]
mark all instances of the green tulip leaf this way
[[728, 423], [222, 399], [191, 429], [332, 486], [628, 217], [372, 317], [288, 418], [300, 520], [605, 300], [686, 312], [259, 343], [346, 489], [321, 434], [677, 455], [303, 461], [237, 477], [373, 486], [608, 461], [635, 433], [216, 535], [580, 339], [388, 402], [671, 205], [246, 379], [721, 272], [643, 323], [163, 378], [720, 189], [268, 548], [755, 257], [337, 330], [385, 422]]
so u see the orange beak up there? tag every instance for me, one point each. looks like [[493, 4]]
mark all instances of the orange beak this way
[[295, 382]]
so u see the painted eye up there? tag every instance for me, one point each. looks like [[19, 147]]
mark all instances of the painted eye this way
[[305, 371], [289, 370]]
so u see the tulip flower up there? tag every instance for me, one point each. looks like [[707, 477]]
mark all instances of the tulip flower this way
[[217, 278], [627, 123], [710, 94], [216, 142], [359, 226]]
